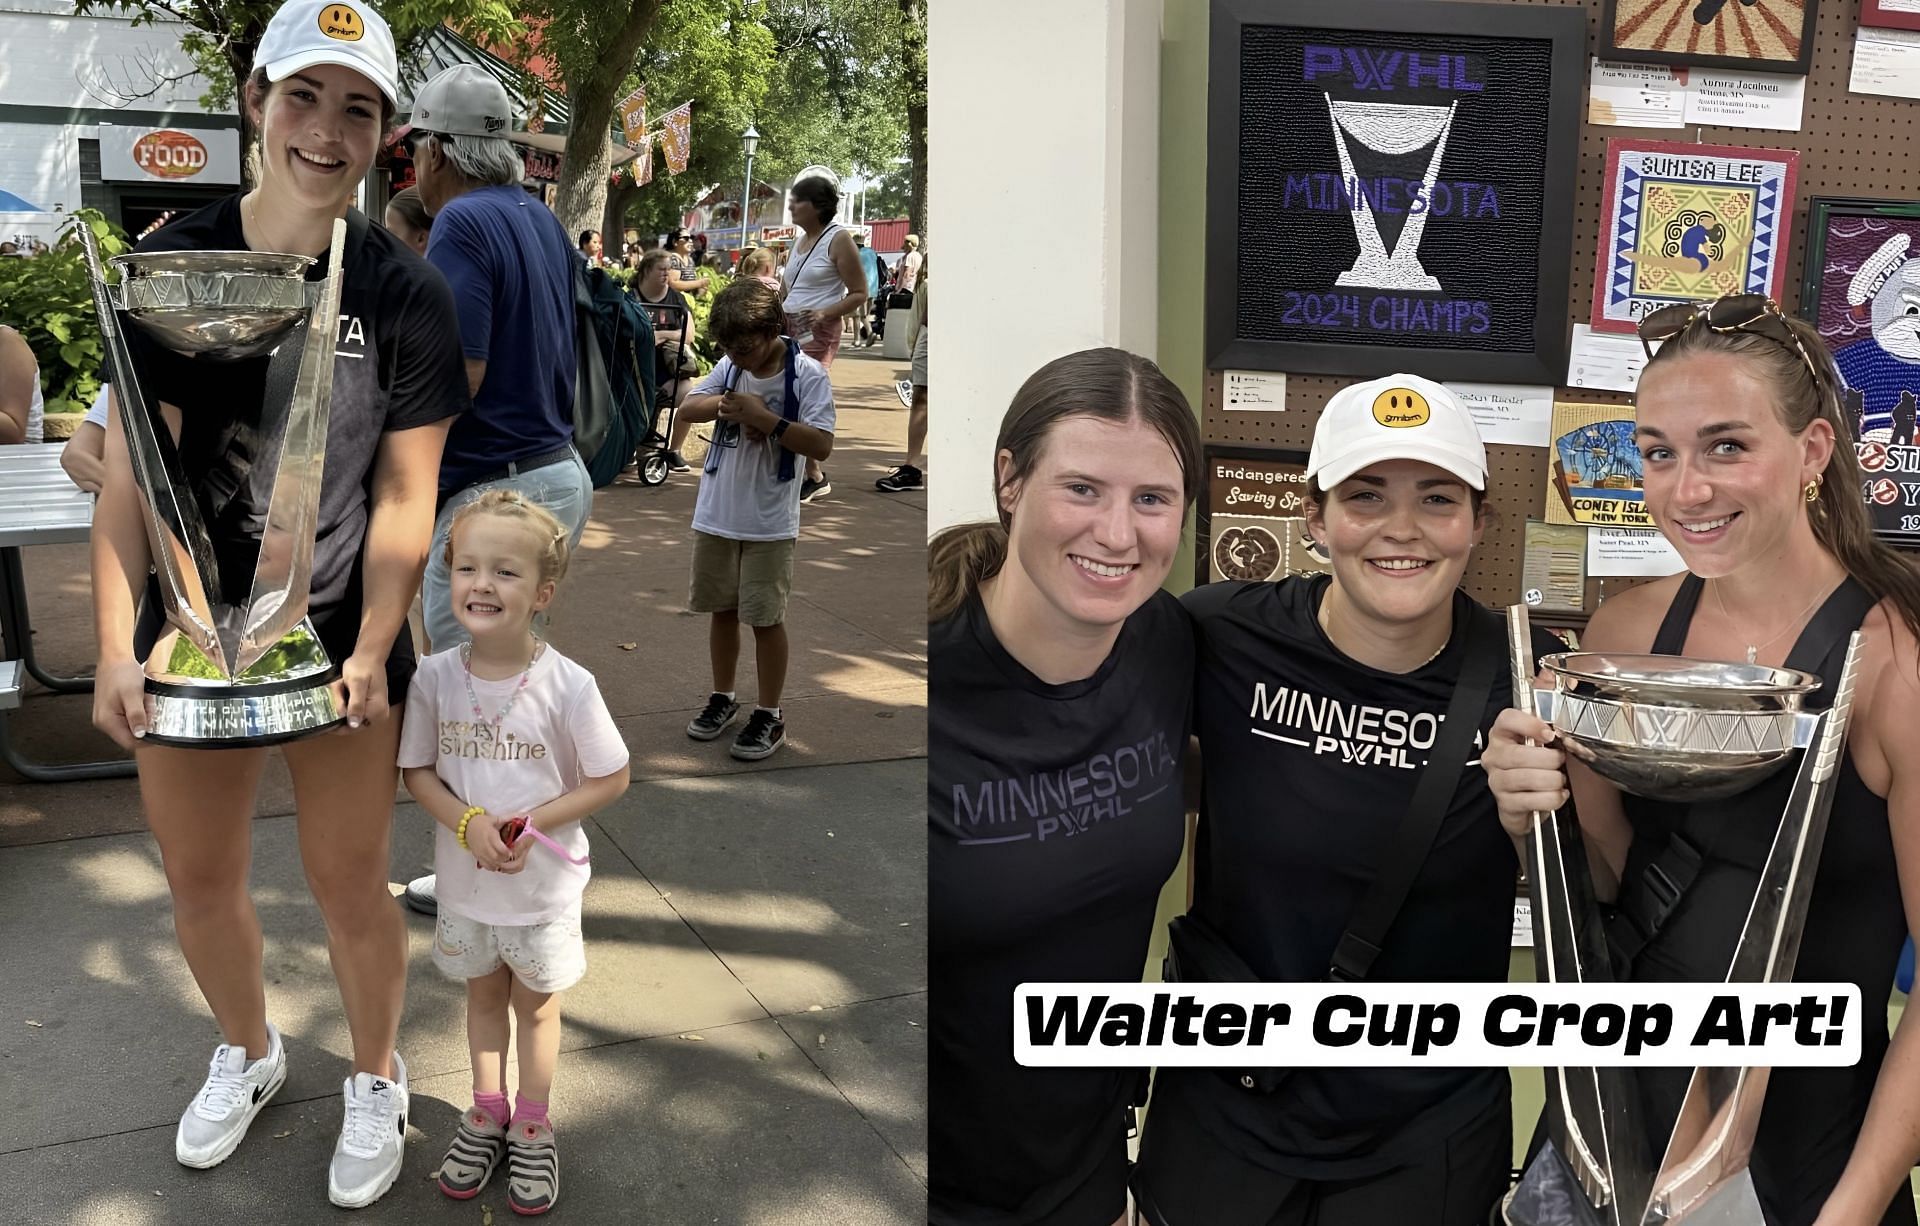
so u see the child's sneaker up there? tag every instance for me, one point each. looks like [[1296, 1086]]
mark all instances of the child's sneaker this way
[[711, 722], [765, 732], [477, 1148], [533, 1168], [903, 477], [373, 1138], [216, 1121], [903, 388], [811, 489]]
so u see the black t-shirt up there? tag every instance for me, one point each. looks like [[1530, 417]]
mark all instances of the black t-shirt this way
[[670, 313], [1310, 760], [1055, 813], [397, 365]]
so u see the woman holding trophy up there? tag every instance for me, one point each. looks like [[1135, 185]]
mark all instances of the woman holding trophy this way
[[1750, 472], [322, 94]]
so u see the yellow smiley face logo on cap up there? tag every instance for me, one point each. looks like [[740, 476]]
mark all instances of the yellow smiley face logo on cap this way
[[1401, 407], [337, 21]]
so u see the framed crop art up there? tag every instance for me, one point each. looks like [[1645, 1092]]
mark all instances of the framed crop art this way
[[1861, 289], [1252, 517], [1390, 187], [1685, 223], [1890, 14], [1753, 35]]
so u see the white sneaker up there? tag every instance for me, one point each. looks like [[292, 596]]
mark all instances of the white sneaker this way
[[373, 1138], [217, 1120]]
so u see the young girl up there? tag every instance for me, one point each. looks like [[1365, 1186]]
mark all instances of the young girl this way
[[508, 745], [761, 266]]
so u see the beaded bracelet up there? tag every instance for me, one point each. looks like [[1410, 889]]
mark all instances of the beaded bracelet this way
[[472, 812]]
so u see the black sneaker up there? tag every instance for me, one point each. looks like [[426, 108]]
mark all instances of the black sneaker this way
[[677, 463], [811, 489], [765, 732], [903, 477], [711, 722]]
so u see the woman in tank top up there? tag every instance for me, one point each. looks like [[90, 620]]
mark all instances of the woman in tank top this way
[[1055, 808], [824, 283], [1751, 473], [1319, 704]]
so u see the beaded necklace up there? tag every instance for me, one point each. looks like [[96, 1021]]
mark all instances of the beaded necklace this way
[[466, 664]]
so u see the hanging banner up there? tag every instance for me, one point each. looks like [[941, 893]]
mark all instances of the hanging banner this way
[[676, 137], [633, 117], [643, 164]]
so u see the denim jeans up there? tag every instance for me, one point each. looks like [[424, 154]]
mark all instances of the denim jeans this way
[[563, 488]]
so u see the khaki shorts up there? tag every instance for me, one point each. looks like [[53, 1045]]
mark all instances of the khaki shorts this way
[[752, 577]]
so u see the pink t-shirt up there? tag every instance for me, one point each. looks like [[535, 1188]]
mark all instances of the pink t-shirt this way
[[558, 735]]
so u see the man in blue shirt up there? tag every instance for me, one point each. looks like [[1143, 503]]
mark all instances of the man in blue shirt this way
[[511, 267], [862, 315]]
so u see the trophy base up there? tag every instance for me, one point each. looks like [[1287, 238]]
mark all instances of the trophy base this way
[[241, 716]]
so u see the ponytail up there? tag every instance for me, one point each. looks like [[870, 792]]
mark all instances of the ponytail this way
[[959, 560]]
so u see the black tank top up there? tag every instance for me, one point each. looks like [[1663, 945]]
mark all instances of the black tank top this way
[[1854, 929]]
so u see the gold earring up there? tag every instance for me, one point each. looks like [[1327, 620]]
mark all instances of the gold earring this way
[[1813, 490]]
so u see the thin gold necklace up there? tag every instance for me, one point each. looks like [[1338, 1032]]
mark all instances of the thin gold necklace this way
[[1326, 629], [1753, 649]]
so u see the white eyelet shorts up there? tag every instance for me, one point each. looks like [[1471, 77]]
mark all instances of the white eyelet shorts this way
[[549, 957]]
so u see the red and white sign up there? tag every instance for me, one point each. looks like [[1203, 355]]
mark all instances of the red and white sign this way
[[169, 155], [777, 234]]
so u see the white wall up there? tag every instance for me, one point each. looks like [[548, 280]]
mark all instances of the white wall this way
[[1043, 195], [50, 58]]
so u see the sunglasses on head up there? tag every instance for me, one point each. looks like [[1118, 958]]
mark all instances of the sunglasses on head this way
[[1754, 313]]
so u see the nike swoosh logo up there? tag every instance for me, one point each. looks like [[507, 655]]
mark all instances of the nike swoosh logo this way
[[257, 1092]]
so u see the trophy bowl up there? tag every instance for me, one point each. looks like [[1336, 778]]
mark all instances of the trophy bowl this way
[[227, 305], [1675, 728]]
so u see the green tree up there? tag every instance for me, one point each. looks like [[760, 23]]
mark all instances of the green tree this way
[[820, 80], [222, 36]]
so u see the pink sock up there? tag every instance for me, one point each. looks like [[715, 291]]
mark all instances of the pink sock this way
[[495, 1105], [525, 1108]]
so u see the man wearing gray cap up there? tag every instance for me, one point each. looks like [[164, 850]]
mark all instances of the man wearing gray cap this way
[[510, 264]]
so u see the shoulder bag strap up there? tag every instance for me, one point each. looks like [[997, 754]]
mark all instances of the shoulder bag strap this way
[[1360, 943]]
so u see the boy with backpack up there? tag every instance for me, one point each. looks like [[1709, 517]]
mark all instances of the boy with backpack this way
[[773, 409]]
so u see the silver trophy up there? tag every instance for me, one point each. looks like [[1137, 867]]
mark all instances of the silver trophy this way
[[222, 674], [1676, 729]]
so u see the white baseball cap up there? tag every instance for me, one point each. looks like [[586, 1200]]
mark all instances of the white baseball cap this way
[[465, 100], [344, 32], [1400, 417]]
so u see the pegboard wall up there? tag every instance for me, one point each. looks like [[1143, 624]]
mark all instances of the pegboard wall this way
[[1850, 145]]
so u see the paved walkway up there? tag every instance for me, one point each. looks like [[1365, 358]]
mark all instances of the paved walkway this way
[[749, 1044]]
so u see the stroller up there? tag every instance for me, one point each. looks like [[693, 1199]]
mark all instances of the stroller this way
[[675, 367]]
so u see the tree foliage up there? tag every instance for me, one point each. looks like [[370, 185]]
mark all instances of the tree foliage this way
[[48, 299], [222, 36], [822, 81]]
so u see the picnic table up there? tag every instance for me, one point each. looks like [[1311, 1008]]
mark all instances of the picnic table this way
[[39, 505]]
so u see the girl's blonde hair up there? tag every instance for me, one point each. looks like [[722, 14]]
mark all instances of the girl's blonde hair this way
[[554, 552], [758, 262]]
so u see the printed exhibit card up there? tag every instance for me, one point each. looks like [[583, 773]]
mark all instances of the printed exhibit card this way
[[1509, 413], [1636, 95], [1604, 362], [1614, 553], [1886, 62], [1719, 98], [1255, 391]]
